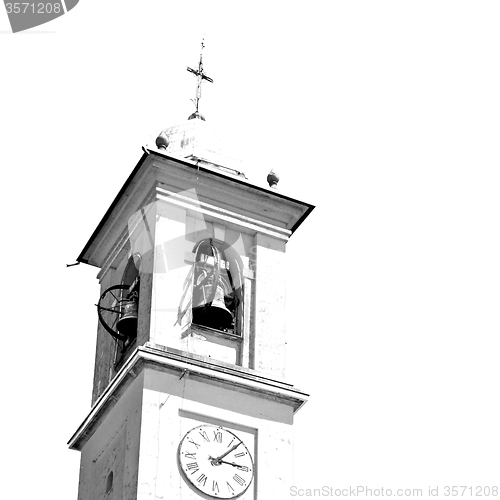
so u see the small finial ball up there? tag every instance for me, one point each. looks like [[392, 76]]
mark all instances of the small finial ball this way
[[162, 141], [273, 179]]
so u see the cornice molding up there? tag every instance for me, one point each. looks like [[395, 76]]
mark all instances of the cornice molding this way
[[228, 216], [221, 195], [170, 360]]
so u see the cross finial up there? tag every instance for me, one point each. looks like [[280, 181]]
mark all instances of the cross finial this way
[[200, 76]]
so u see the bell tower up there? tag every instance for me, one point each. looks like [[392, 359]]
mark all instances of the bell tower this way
[[189, 397]]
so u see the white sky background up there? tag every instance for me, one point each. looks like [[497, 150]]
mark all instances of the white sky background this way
[[384, 114]]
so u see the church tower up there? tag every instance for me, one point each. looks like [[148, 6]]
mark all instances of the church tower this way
[[189, 396]]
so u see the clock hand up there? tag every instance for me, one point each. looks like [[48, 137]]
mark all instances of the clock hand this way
[[219, 459], [231, 463]]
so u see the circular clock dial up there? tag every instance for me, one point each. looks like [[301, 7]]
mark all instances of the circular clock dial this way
[[215, 461]]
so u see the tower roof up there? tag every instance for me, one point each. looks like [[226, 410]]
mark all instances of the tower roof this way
[[252, 205]]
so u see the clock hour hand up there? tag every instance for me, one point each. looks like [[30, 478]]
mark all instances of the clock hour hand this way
[[233, 464]]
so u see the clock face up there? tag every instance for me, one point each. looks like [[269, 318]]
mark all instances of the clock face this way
[[215, 461]]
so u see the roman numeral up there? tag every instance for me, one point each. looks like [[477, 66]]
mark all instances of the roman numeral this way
[[215, 487], [239, 480], [193, 442], [244, 468], [239, 455], [218, 436], [229, 487], [202, 479], [232, 440], [192, 456], [204, 435], [193, 466]]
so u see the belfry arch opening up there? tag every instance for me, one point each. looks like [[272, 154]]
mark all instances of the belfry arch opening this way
[[129, 306], [217, 298]]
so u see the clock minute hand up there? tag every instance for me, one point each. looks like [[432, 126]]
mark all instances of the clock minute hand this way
[[219, 459]]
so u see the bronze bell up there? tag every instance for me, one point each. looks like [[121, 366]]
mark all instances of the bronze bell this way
[[127, 324], [215, 315]]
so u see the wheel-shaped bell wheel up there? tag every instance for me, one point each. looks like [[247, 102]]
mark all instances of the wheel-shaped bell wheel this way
[[118, 315]]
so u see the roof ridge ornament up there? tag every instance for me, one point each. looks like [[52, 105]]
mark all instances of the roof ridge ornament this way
[[200, 76]]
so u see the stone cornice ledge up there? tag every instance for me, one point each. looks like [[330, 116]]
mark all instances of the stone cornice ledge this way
[[170, 360], [223, 214]]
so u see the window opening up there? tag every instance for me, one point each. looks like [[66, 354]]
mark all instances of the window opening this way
[[109, 482], [217, 293], [118, 307], [129, 303]]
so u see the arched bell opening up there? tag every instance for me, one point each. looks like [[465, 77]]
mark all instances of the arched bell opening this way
[[118, 306], [127, 324], [217, 294]]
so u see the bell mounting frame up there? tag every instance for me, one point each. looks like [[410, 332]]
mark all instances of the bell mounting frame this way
[[110, 315]]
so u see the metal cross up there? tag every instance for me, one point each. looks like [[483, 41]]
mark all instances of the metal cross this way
[[200, 76]]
